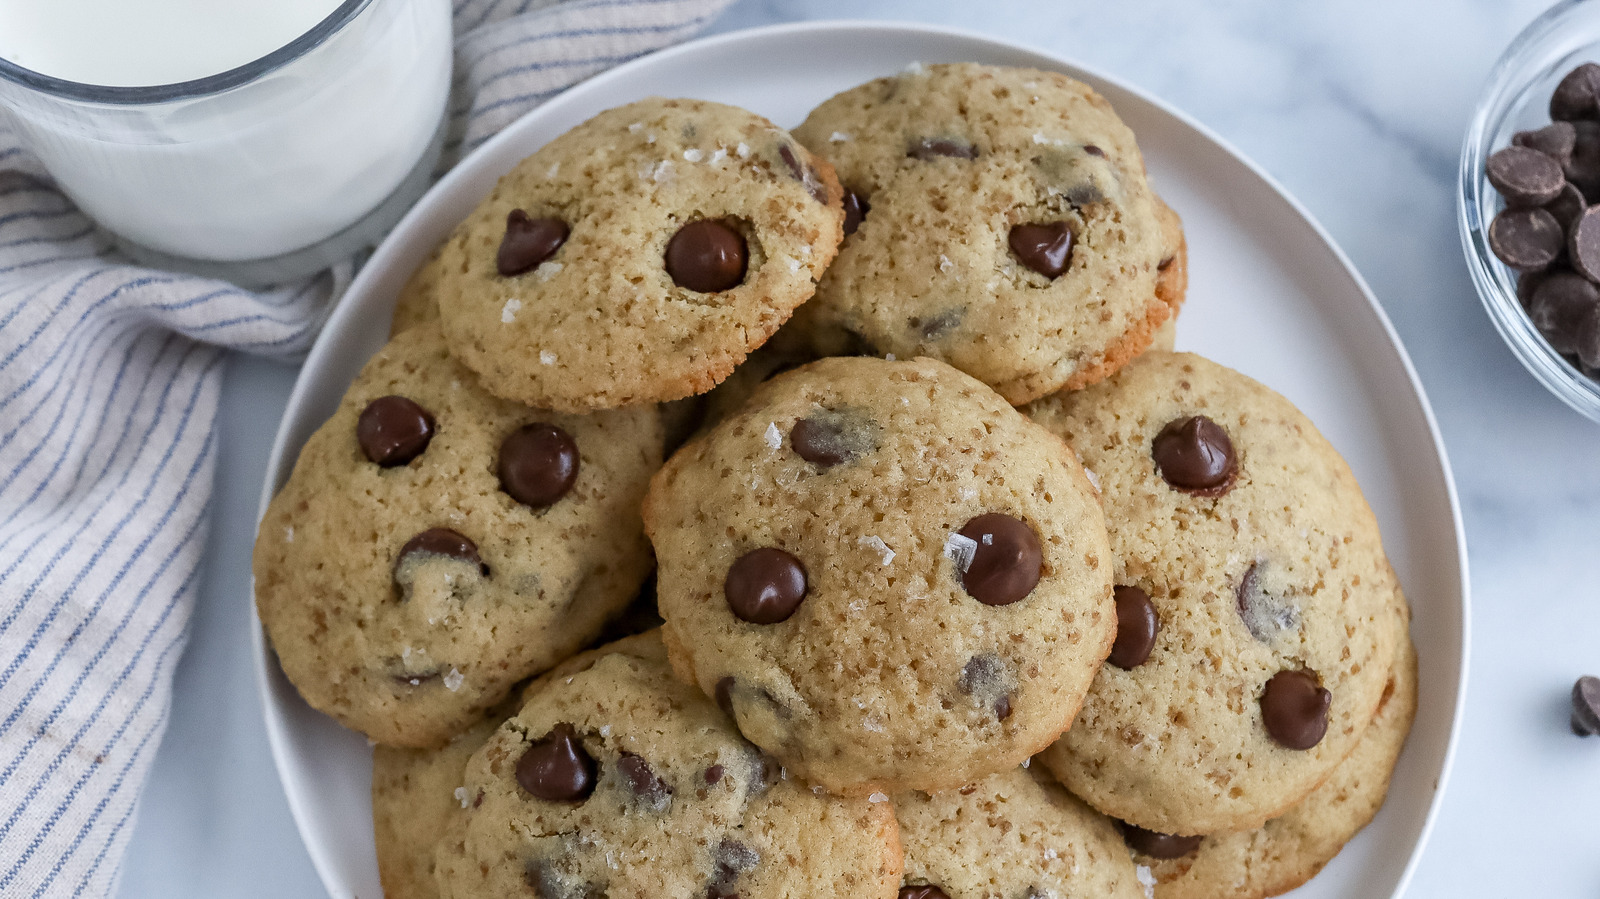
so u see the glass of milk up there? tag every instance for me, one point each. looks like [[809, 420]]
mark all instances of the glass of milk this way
[[258, 140]]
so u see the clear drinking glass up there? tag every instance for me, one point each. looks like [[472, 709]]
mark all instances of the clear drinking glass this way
[[265, 172]]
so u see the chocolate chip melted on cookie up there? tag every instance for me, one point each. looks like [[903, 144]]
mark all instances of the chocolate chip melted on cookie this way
[[538, 464], [1266, 616], [1006, 561], [1137, 626], [1195, 455], [556, 768], [1157, 845], [923, 891], [1046, 248], [528, 242], [707, 256], [803, 174], [393, 430], [764, 586], [856, 208], [828, 437], [986, 678], [930, 148], [440, 542], [651, 791], [1294, 707], [730, 859]]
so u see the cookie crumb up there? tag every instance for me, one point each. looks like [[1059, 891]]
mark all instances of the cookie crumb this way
[[508, 312], [885, 554], [960, 550], [773, 438]]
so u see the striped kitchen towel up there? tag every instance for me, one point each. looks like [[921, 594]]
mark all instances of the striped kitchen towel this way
[[109, 377]]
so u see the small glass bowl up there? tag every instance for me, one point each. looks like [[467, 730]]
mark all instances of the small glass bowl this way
[[1517, 99]]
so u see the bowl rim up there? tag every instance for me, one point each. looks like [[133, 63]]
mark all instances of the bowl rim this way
[[1474, 196]]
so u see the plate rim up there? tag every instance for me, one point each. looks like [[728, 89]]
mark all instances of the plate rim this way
[[260, 654]]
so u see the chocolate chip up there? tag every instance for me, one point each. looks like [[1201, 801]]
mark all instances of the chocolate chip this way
[[1266, 616], [1137, 626], [937, 326], [923, 891], [1093, 150], [538, 464], [1554, 140], [1588, 341], [724, 695], [642, 782], [1559, 307], [856, 208], [1294, 707], [548, 882], [1046, 248], [1586, 706], [730, 859], [440, 542], [708, 256], [528, 242], [556, 767], [765, 586], [393, 430], [1527, 283], [804, 174], [1583, 166], [1574, 97], [1528, 240], [930, 148], [985, 677], [1195, 455], [1568, 205], [1583, 244], [1157, 845], [417, 679], [713, 775], [1525, 177], [827, 438], [1006, 562]]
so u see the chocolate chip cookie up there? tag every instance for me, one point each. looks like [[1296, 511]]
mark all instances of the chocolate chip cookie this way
[[1290, 849], [435, 545], [638, 257], [1012, 835], [617, 780], [998, 219], [1254, 638], [889, 577]]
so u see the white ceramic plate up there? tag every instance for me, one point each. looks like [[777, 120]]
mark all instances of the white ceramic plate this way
[[1269, 294]]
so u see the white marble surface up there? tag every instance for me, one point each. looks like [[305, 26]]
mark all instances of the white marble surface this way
[[1357, 107]]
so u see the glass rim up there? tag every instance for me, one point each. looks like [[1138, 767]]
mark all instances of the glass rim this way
[[330, 25]]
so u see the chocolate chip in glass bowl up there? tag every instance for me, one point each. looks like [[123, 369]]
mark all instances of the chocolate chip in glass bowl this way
[[1582, 168], [707, 256], [1575, 97], [1554, 140], [1583, 244], [1588, 342], [528, 242], [1527, 240], [393, 430], [1294, 708], [1568, 205], [1586, 706], [1525, 177], [1559, 307], [765, 586]]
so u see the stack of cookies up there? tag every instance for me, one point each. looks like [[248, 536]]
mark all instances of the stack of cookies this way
[[960, 584]]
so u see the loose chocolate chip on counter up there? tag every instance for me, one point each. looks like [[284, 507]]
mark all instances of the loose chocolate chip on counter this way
[[1294, 707], [1582, 168], [642, 781], [930, 148], [538, 464], [1554, 140], [1528, 240], [923, 891], [1586, 706], [1575, 96], [1568, 205], [1525, 177], [1583, 244], [856, 208], [393, 430], [708, 256], [1559, 307], [1044, 247], [1006, 561], [804, 174], [1196, 456], [557, 768], [1137, 626], [765, 586], [1588, 342], [528, 242], [1157, 845], [441, 542]]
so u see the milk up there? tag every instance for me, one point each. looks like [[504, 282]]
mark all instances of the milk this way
[[134, 43], [295, 157]]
